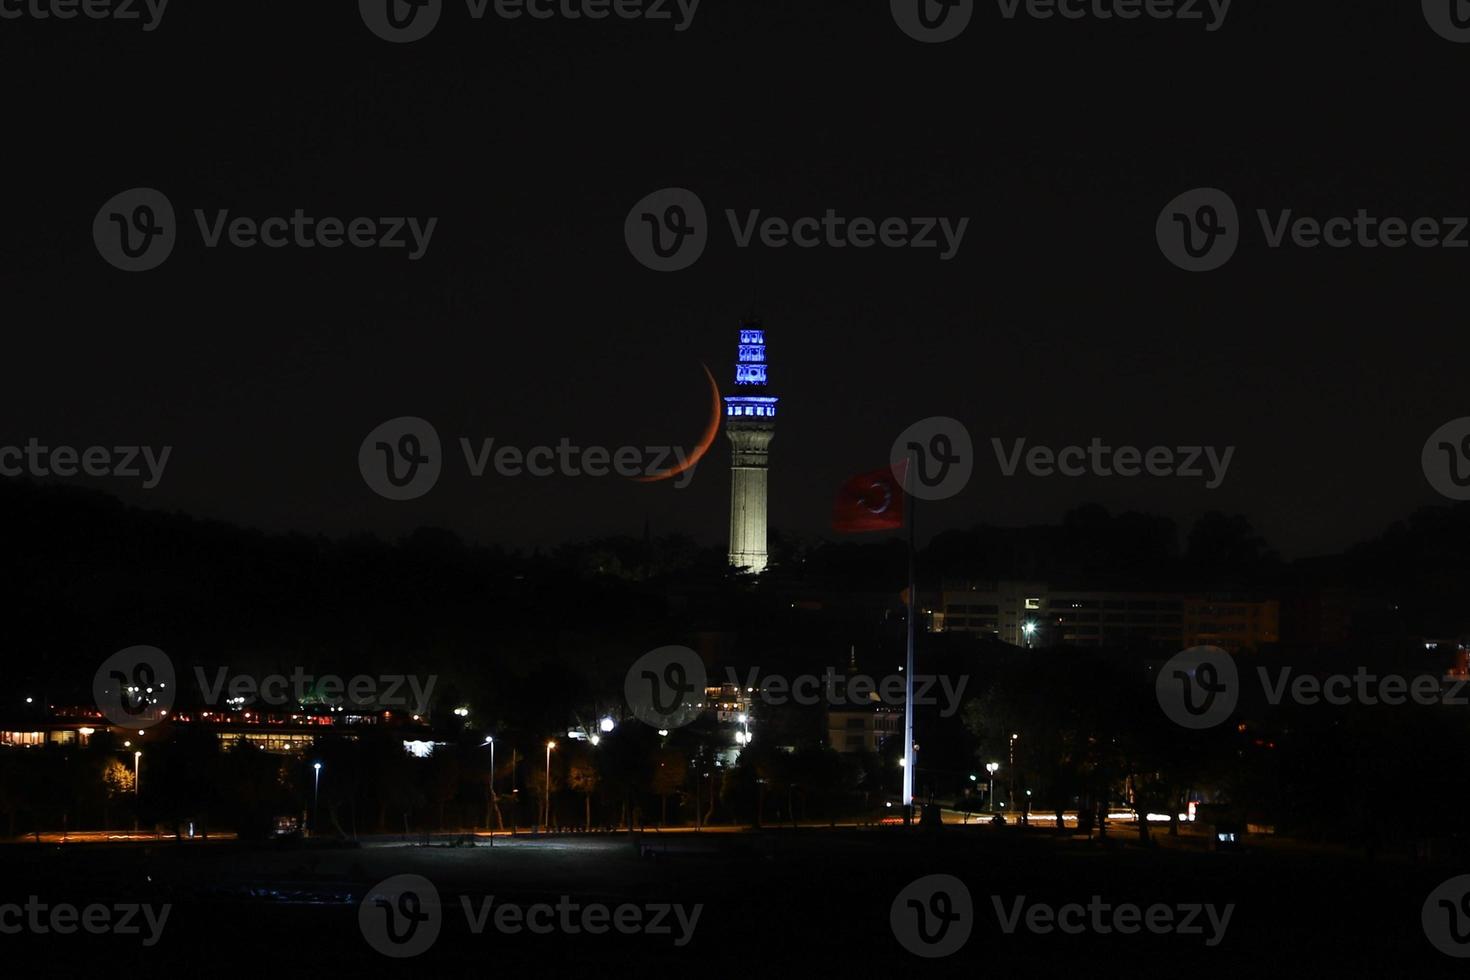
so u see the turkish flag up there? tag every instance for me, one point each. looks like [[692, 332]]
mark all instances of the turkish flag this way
[[870, 502]]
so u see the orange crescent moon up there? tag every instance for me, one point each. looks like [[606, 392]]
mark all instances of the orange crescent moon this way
[[707, 440]]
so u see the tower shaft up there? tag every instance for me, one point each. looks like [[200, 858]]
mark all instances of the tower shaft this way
[[749, 469]]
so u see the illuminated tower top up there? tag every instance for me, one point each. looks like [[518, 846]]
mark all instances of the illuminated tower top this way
[[750, 377], [750, 425]]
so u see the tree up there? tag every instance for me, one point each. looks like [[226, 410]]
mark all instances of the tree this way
[[670, 772], [582, 778]]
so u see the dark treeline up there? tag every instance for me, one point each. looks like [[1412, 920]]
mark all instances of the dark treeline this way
[[536, 642]]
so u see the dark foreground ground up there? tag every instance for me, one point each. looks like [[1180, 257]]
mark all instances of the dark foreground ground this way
[[783, 903]]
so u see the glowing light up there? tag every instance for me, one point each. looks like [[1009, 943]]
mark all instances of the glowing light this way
[[750, 374], [607, 724], [595, 739]]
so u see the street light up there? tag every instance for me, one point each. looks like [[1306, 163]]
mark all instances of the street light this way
[[546, 820], [316, 796], [1028, 628], [1011, 769], [494, 801], [490, 741], [991, 767]]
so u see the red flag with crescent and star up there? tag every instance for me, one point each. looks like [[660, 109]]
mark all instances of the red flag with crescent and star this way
[[871, 502]]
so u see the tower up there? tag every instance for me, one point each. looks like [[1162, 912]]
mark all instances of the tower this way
[[750, 423]]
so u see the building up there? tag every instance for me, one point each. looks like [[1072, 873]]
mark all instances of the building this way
[[1232, 623], [863, 727], [750, 424], [999, 609], [282, 733], [731, 710], [1037, 614]]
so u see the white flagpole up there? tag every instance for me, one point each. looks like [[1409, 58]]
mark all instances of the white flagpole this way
[[908, 670]]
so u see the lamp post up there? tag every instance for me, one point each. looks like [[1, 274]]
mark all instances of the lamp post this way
[[316, 795], [1011, 770], [991, 767], [137, 786], [494, 800], [546, 819], [490, 741]]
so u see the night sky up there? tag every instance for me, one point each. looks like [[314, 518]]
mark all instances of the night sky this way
[[529, 321]]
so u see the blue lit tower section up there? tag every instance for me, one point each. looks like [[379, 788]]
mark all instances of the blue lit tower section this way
[[750, 423]]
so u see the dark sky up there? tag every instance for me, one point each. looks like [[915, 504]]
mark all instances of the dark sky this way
[[528, 320]]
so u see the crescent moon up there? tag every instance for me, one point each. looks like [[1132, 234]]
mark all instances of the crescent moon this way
[[705, 441]]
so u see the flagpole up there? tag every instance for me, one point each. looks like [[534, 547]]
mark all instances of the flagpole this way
[[908, 670]]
